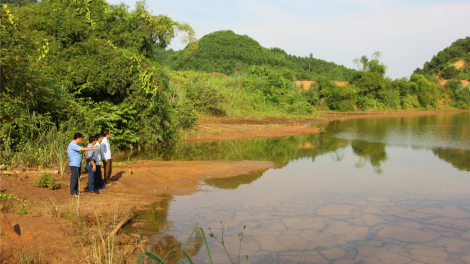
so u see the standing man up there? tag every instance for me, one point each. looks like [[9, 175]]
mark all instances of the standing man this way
[[99, 184], [75, 160], [106, 157], [91, 157]]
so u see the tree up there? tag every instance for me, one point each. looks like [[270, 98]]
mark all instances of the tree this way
[[364, 64]]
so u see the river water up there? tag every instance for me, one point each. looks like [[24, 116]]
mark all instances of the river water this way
[[379, 190]]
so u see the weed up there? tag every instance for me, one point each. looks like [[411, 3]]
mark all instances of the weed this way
[[215, 131], [9, 196], [46, 180], [23, 209], [27, 258]]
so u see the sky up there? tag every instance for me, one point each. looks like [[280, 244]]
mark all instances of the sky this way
[[408, 33]]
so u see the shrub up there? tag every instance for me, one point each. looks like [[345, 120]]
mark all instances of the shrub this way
[[342, 98], [368, 82], [46, 180], [390, 97], [450, 73], [365, 103], [428, 92]]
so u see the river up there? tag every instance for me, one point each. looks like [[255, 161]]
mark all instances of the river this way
[[377, 190]]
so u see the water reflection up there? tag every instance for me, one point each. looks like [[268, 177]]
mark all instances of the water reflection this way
[[325, 197], [153, 224]]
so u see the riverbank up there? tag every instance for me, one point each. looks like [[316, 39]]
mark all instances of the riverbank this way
[[54, 231], [230, 128]]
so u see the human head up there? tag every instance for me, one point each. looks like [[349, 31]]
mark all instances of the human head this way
[[106, 134], [99, 138], [92, 140], [77, 137]]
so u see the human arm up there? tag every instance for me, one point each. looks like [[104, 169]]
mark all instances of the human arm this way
[[87, 149], [103, 151]]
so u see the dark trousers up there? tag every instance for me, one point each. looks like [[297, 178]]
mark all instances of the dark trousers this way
[[76, 171], [91, 177], [99, 184], [108, 168]]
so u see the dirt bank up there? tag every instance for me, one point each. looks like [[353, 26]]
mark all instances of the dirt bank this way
[[227, 128]]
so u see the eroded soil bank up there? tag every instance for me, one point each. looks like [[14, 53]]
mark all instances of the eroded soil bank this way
[[227, 128]]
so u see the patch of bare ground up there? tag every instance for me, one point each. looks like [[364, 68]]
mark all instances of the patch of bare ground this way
[[53, 230]]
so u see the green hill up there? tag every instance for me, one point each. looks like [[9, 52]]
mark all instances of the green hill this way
[[224, 51], [450, 63]]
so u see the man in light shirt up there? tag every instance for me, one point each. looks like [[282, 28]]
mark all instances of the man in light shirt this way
[[99, 184], [75, 160], [91, 157], [106, 157]]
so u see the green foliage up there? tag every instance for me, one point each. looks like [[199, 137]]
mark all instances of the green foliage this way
[[368, 82], [460, 49], [86, 66], [428, 92], [459, 93], [342, 98], [46, 180], [9, 196], [365, 65], [225, 52], [450, 73], [258, 92], [18, 2]]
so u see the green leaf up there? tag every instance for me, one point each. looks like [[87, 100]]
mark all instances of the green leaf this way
[[151, 256]]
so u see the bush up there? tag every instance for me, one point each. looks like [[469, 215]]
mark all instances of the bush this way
[[365, 103], [342, 98], [428, 92], [46, 180], [450, 73], [368, 82], [390, 97]]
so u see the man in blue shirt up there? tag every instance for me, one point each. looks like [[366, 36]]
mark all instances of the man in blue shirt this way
[[91, 157], [75, 160]]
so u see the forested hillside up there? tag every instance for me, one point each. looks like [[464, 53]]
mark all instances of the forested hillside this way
[[226, 52], [451, 63]]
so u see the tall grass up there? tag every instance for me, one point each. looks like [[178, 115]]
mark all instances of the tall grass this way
[[46, 149], [241, 95]]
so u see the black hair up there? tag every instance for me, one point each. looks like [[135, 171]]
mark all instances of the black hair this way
[[105, 133], [98, 136], [92, 138], [77, 135]]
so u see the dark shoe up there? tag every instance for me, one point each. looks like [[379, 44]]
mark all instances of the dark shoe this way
[[96, 192]]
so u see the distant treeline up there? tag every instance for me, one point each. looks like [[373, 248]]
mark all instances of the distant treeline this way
[[225, 52], [441, 63]]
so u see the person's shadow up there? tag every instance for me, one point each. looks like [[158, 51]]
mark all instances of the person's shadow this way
[[117, 176], [17, 229]]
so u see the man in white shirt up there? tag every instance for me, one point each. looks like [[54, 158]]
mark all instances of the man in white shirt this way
[[106, 157]]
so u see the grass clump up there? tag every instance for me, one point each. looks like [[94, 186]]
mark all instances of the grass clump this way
[[46, 180]]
